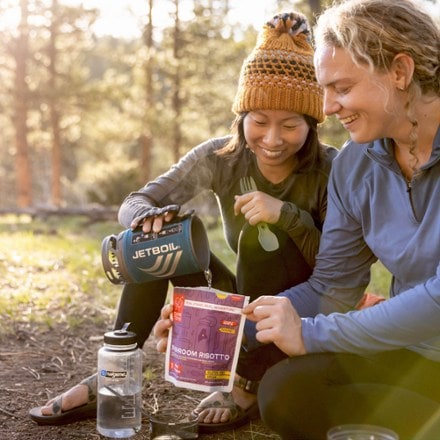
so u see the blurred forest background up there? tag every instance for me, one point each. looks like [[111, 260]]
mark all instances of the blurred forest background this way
[[87, 118]]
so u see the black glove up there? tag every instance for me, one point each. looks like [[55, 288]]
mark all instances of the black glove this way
[[154, 211]]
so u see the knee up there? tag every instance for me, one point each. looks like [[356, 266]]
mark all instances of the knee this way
[[287, 397], [275, 399], [273, 411]]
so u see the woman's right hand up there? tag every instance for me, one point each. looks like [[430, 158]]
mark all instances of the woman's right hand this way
[[257, 206], [154, 218], [277, 322], [162, 327], [154, 224]]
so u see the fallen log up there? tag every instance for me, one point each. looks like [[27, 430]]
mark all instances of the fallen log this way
[[92, 213]]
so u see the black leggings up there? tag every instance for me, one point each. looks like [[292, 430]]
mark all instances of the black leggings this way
[[259, 273], [302, 397]]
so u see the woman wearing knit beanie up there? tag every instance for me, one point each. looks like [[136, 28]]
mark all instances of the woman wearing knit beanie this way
[[269, 177], [274, 140]]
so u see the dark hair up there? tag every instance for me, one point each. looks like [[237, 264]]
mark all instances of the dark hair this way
[[309, 156]]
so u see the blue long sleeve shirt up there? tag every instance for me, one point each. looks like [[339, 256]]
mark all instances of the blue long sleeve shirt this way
[[374, 213]]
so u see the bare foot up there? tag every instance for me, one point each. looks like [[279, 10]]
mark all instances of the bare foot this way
[[76, 396], [222, 407]]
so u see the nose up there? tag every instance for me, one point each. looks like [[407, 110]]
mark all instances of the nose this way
[[331, 105], [272, 137]]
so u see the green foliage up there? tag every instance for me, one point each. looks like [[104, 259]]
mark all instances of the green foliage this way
[[380, 280], [218, 244], [101, 91], [51, 271], [108, 183], [332, 133]]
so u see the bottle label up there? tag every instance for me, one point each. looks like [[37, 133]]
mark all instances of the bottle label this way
[[114, 374]]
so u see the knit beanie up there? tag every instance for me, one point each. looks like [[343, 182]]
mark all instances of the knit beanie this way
[[279, 73]]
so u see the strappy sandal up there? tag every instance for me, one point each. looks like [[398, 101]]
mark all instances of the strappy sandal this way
[[60, 417], [238, 417]]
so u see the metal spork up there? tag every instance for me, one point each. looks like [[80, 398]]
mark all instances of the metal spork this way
[[267, 239]]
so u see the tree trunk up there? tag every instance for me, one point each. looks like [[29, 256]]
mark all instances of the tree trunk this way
[[53, 109], [145, 143], [177, 102], [24, 180], [146, 140]]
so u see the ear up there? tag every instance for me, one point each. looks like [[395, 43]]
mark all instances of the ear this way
[[402, 70]]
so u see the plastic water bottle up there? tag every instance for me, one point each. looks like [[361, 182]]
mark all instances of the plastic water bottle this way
[[119, 413]]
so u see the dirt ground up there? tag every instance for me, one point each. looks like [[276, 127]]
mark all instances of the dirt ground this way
[[37, 364]]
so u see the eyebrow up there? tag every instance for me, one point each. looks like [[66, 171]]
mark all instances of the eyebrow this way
[[338, 81]]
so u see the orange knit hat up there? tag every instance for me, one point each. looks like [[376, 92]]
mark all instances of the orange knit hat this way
[[279, 73]]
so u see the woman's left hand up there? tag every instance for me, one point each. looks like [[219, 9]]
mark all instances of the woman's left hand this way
[[162, 327], [277, 322], [257, 207]]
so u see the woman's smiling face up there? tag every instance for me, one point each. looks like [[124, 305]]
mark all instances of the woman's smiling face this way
[[275, 136], [363, 101]]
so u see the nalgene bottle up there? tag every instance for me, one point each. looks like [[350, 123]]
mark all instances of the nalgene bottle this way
[[119, 411]]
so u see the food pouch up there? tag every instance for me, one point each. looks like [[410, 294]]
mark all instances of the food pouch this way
[[205, 339]]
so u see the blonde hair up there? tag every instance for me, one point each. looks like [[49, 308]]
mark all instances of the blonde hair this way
[[373, 32]]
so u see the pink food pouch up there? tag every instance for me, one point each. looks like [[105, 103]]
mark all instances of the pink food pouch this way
[[204, 341]]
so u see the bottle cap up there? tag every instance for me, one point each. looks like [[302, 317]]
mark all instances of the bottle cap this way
[[120, 337]]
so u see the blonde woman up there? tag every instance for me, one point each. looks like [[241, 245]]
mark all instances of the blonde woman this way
[[378, 62]]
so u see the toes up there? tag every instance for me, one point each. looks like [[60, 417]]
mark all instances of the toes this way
[[47, 410], [72, 398], [53, 407], [49, 402], [225, 416], [215, 415]]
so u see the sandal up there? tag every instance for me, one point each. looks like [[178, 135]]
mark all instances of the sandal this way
[[83, 412], [60, 417], [238, 417]]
